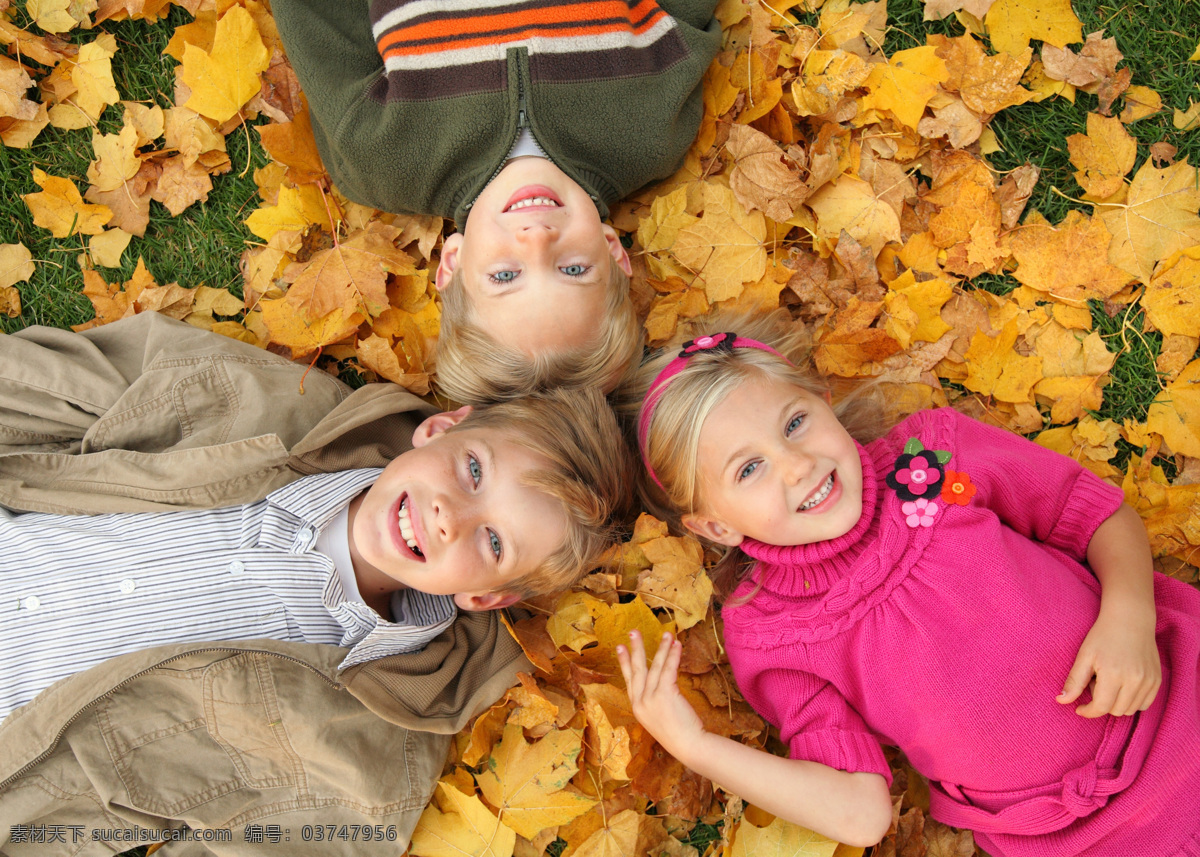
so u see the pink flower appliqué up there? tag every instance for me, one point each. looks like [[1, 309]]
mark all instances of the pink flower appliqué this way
[[712, 342], [919, 513], [918, 478]]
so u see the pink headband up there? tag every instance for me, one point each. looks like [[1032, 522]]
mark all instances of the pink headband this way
[[712, 342]]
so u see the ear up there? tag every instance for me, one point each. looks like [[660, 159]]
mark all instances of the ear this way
[[828, 397], [616, 249], [432, 426], [448, 261], [712, 529], [494, 600]]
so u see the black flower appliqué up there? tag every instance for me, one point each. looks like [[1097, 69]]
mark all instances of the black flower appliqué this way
[[918, 472]]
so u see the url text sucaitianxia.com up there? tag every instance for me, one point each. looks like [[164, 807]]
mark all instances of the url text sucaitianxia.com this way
[[74, 833], [267, 834]]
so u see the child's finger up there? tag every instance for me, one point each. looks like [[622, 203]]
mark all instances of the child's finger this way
[[655, 674], [635, 677], [1077, 681]]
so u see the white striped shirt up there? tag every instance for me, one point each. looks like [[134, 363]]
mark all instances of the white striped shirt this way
[[77, 590]]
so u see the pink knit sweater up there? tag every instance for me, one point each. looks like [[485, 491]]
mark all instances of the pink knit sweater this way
[[948, 632]]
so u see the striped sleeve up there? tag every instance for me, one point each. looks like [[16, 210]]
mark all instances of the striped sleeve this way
[[592, 40]]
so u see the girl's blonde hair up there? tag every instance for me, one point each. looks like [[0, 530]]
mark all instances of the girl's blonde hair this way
[[474, 368], [672, 435]]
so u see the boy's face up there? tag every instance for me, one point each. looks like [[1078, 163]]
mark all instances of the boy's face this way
[[452, 517], [535, 258]]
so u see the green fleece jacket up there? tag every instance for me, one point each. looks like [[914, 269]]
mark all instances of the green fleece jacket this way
[[614, 100]]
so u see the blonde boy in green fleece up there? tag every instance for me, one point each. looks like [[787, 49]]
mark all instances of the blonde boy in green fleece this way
[[523, 122]]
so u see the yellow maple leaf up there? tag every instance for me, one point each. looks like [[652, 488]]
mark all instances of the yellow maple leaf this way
[[573, 621], [852, 205], [227, 77], [91, 76], [827, 76], [116, 160], [526, 782], [1185, 120], [725, 247], [676, 580], [1012, 23], [351, 276], [616, 837], [16, 264], [1158, 218], [609, 718], [107, 247], [1172, 299], [925, 301], [297, 209], [59, 208], [1175, 412], [779, 839], [904, 85], [467, 828], [1040, 250], [1140, 102], [288, 326], [59, 16], [995, 369], [987, 84], [1103, 156]]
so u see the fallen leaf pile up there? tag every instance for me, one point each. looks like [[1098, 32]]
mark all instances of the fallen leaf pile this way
[[850, 186]]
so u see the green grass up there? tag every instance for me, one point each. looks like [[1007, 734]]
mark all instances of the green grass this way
[[200, 247]]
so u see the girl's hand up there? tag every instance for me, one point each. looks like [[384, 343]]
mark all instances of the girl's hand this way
[[654, 694], [1120, 651]]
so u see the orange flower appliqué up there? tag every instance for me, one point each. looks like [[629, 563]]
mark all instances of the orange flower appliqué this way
[[957, 488]]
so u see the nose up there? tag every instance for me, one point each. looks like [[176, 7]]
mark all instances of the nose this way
[[537, 234], [796, 465], [453, 516]]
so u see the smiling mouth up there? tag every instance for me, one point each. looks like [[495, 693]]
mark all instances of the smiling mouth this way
[[406, 529], [819, 497], [532, 196]]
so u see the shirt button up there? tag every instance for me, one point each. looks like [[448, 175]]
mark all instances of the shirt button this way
[[306, 535], [237, 567], [128, 585], [31, 602]]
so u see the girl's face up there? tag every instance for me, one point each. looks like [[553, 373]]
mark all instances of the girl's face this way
[[777, 466]]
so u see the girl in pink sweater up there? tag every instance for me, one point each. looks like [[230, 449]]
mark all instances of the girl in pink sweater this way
[[984, 604]]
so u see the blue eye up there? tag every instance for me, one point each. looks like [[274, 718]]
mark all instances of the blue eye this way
[[747, 470], [494, 541], [794, 424], [575, 270], [503, 276], [473, 468]]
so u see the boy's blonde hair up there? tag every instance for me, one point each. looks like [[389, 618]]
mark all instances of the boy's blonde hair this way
[[590, 473], [672, 438], [473, 368]]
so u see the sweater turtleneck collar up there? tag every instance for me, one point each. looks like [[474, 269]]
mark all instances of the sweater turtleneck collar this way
[[823, 563]]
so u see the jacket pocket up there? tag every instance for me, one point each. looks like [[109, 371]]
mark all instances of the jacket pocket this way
[[181, 408], [209, 736]]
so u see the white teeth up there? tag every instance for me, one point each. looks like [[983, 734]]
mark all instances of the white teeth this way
[[406, 529], [821, 495], [531, 201]]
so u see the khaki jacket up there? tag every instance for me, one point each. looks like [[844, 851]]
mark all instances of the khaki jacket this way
[[260, 738]]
